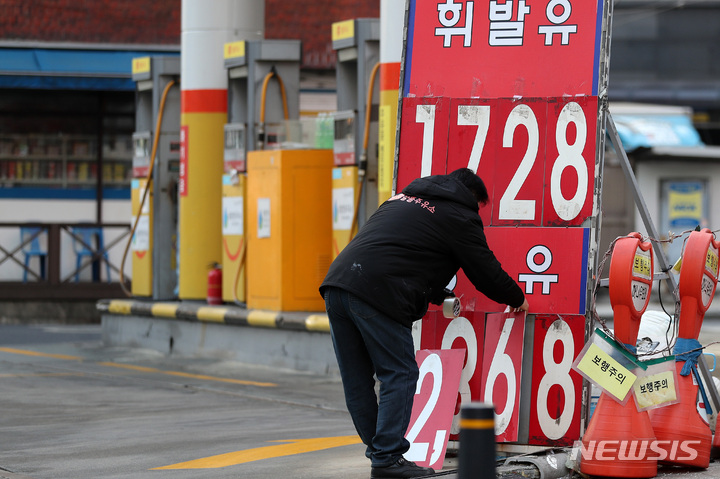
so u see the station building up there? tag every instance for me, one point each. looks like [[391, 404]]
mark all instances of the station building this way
[[67, 116]]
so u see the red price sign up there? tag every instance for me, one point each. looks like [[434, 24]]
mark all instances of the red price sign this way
[[424, 119], [550, 264], [501, 371], [493, 365], [536, 156], [433, 406], [503, 48], [465, 333], [556, 388]]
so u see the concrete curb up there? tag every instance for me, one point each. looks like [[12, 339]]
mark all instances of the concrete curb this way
[[223, 314]]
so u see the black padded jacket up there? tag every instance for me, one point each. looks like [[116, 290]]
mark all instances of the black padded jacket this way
[[410, 248]]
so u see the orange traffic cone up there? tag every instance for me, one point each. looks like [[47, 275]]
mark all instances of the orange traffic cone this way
[[682, 433], [618, 441], [715, 450], [680, 427]]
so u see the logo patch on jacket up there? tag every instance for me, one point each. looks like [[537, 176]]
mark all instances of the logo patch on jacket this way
[[413, 199]]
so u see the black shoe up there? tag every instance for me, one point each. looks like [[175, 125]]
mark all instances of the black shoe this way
[[401, 468]]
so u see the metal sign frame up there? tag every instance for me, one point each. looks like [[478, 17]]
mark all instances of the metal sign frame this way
[[659, 253]]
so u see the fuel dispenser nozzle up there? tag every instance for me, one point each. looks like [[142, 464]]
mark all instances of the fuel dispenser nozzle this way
[[263, 96], [362, 165], [261, 136], [234, 177]]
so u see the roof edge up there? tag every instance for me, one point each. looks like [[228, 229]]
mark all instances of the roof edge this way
[[88, 46]]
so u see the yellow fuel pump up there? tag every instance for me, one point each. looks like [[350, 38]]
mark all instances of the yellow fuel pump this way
[[155, 171], [355, 176]]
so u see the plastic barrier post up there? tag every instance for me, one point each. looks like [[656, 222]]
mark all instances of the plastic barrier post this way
[[477, 441]]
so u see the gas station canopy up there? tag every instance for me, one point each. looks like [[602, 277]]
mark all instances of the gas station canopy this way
[[71, 68]]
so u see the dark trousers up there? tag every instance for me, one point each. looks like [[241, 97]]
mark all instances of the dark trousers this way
[[368, 344]]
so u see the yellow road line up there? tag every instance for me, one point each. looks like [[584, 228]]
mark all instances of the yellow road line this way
[[43, 355], [142, 369], [224, 380], [188, 375], [132, 367], [292, 447]]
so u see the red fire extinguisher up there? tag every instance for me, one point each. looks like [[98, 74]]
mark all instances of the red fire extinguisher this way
[[214, 285]]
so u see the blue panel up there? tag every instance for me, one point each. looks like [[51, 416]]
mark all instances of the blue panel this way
[[64, 193], [409, 48], [647, 131], [48, 68], [18, 59], [598, 46], [89, 62], [66, 83]]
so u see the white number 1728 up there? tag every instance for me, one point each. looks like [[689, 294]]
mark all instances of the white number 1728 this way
[[510, 207]]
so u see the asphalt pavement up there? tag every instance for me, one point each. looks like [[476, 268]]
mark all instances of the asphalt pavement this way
[[74, 408]]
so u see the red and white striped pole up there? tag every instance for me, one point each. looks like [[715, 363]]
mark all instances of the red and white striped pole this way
[[392, 21]]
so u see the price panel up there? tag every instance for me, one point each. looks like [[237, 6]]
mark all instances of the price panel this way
[[555, 399], [554, 415], [570, 160], [474, 143], [503, 49], [536, 156], [424, 140], [519, 162], [550, 264], [502, 370], [464, 333], [433, 406]]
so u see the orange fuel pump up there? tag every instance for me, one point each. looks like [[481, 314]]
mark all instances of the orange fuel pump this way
[[260, 117]]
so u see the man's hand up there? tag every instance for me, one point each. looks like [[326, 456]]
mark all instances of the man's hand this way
[[439, 298], [523, 307]]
